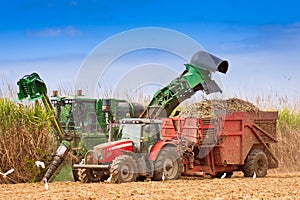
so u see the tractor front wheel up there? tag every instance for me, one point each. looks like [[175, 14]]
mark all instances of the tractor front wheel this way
[[167, 165], [256, 162], [87, 175], [123, 169], [75, 175]]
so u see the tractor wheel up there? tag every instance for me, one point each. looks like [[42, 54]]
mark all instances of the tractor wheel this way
[[76, 172], [123, 169], [256, 162], [75, 175], [167, 165], [87, 176]]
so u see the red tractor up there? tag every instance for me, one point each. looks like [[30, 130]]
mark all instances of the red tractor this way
[[141, 153]]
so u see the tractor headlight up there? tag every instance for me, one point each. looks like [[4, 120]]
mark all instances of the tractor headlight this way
[[91, 158], [100, 153]]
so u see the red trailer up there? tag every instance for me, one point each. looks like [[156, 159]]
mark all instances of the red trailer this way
[[230, 142]]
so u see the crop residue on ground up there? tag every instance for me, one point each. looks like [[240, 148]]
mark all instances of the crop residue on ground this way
[[274, 186]]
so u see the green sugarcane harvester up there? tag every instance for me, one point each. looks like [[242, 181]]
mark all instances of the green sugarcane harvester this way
[[80, 123], [197, 76]]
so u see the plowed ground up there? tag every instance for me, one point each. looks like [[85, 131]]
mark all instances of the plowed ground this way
[[273, 186]]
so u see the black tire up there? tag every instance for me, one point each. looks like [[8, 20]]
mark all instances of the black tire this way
[[75, 175], [256, 162], [123, 169], [168, 163], [75, 172], [87, 175]]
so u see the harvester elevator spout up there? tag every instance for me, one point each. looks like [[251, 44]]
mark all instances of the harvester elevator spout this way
[[197, 76], [209, 62]]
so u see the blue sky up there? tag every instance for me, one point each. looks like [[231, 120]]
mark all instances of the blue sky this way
[[260, 39]]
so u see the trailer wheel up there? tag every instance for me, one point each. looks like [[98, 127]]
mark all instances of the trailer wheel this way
[[256, 162], [87, 175], [167, 164], [123, 169]]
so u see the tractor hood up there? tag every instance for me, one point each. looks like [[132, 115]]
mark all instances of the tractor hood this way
[[114, 145], [108, 151]]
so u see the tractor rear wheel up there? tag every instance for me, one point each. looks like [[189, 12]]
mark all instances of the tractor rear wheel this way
[[87, 175], [167, 165], [256, 162], [123, 169]]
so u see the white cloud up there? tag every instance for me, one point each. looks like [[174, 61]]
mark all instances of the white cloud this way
[[55, 32]]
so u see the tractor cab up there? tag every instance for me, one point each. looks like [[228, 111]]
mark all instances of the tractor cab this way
[[75, 114], [144, 133], [79, 118]]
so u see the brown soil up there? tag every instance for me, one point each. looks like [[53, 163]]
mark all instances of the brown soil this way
[[274, 186]]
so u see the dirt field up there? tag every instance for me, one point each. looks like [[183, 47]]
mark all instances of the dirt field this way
[[274, 186]]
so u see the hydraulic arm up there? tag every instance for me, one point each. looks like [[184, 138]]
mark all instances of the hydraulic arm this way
[[197, 76]]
